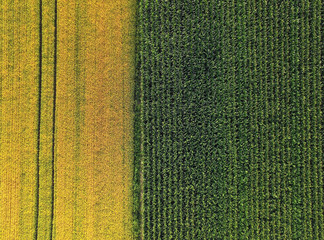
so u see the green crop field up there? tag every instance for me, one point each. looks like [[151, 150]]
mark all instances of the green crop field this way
[[229, 120]]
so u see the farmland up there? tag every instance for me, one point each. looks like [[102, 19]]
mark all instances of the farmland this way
[[161, 119], [94, 120], [67, 70], [229, 120], [18, 118]]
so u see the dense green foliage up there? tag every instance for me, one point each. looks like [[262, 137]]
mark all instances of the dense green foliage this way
[[229, 103]]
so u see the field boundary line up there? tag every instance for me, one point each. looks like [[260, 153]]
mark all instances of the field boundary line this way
[[38, 117], [54, 119]]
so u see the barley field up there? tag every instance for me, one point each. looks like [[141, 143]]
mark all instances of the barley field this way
[[66, 119]]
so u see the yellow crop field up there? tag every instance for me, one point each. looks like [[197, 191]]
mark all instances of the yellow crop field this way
[[66, 119], [94, 127], [18, 117]]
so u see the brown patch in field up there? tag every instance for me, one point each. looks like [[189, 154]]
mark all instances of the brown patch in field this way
[[94, 120]]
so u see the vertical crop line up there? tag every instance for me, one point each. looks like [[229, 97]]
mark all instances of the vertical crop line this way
[[123, 125], [152, 121], [39, 119], [54, 119], [319, 75], [141, 95], [303, 124], [137, 143]]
